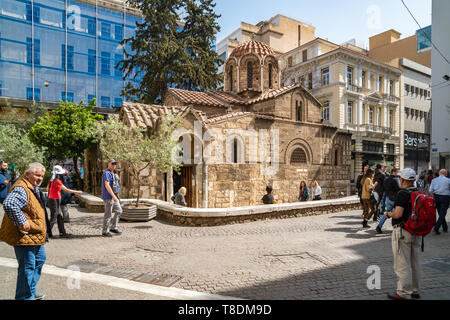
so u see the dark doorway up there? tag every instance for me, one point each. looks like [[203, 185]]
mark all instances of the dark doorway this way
[[184, 179]]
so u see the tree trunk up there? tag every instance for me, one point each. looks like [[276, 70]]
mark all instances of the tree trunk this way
[[139, 183], [77, 173]]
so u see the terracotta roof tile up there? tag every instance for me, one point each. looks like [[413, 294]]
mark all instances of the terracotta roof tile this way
[[256, 47], [228, 116], [195, 97]]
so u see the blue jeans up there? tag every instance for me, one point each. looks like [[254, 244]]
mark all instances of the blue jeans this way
[[388, 207], [442, 203], [31, 259]]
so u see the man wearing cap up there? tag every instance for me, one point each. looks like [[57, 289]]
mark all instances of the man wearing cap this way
[[440, 190], [110, 185], [405, 246]]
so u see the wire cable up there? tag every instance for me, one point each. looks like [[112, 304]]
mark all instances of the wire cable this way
[[437, 49]]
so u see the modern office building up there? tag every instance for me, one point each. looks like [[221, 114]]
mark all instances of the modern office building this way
[[64, 49], [440, 61]]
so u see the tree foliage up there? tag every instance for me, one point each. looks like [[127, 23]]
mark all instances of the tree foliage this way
[[163, 54], [18, 148], [67, 131], [138, 148]]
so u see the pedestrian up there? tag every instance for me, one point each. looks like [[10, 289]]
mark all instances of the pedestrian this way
[[430, 177], [24, 227], [304, 192], [66, 197], [316, 191], [110, 196], [54, 200], [359, 185], [367, 196], [5, 180], [391, 188], [179, 197], [405, 246], [378, 182], [268, 197], [440, 190]]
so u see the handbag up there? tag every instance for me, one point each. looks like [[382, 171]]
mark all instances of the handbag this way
[[373, 200]]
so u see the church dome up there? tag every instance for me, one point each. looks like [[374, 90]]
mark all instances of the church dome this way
[[256, 47]]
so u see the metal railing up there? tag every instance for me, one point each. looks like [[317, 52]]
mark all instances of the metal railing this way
[[353, 88]]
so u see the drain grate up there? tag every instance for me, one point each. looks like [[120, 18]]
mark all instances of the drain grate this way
[[159, 279]]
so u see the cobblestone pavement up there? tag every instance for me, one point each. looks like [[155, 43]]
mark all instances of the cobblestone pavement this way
[[317, 257]]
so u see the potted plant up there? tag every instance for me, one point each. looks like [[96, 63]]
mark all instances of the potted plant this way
[[138, 149]]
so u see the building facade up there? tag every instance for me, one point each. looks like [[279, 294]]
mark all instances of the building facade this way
[[358, 94], [253, 134], [440, 60], [64, 49], [413, 56]]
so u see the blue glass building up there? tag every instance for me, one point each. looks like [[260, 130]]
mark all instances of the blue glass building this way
[[423, 38], [64, 49]]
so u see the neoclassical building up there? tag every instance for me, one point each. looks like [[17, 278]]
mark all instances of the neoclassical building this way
[[252, 134]]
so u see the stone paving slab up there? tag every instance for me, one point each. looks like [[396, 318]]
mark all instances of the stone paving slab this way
[[316, 257]]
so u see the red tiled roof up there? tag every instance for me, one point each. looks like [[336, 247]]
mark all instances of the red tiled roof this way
[[257, 47], [227, 97], [228, 116], [195, 97], [145, 116]]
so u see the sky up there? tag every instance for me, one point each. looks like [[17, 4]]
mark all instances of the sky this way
[[337, 21]]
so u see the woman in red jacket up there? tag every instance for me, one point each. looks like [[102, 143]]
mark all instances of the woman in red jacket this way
[[54, 200]]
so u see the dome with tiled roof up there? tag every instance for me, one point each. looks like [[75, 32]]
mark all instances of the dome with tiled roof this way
[[257, 47]]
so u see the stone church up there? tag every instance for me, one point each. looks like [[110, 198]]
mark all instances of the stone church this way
[[252, 134]]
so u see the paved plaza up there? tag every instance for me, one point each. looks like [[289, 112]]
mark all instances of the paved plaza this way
[[316, 257]]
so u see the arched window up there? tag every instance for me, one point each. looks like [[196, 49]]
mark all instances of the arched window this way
[[249, 74], [270, 76], [298, 156], [298, 110], [230, 75]]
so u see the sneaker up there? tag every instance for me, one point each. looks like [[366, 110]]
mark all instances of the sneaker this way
[[65, 235], [115, 231], [107, 234], [39, 296], [415, 295], [395, 296], [379, 229]]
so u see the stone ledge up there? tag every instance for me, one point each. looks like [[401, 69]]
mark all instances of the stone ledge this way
[[220, 216]]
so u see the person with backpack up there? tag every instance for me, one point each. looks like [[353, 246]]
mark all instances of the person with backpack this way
[[412, 219], [391, 187]]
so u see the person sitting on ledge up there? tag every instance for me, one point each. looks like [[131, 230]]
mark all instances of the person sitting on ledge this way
[[268, 198]]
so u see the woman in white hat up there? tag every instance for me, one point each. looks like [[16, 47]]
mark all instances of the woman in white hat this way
[[54, 199]]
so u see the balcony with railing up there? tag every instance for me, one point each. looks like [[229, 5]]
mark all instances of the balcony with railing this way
[[377, 129], [353, 88], [391, 98]]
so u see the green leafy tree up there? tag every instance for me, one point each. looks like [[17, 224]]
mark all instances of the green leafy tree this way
[[139, 148], [17, 148], [66, 132], [164, 54]]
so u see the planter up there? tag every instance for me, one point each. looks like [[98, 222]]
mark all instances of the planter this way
[[141, 213]]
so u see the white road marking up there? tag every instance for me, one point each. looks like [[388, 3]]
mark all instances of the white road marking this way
[[111, 281]]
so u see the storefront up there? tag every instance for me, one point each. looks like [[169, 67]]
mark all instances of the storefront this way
[[417, 151]]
